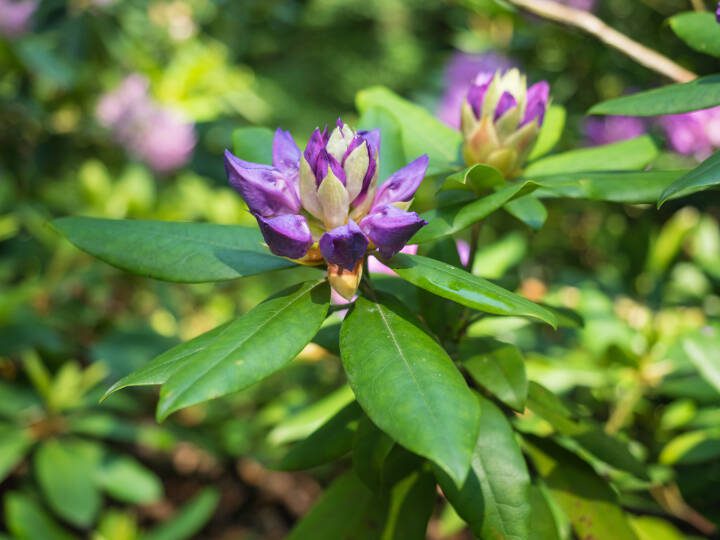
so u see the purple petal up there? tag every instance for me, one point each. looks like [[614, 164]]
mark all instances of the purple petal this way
[[287, 236], [507, 101], [264, 188], [390, 228], [537, 99], [344, 246], [403, 184], [372, 137], [315, 146], [478, 89], [286, 154]]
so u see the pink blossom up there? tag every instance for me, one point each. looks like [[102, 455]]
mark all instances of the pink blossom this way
[[154, 134], [695, 133], [15, 17], [610, 129]]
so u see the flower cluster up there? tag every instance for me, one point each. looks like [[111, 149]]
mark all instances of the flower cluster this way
[[15, 17], [324, 204], [501, 119], [151, 133]]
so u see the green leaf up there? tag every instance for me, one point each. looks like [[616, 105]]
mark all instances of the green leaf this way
[[341, 513], [303, 423], [237, 354], [699, 30], [66, 470], [26, 520], [548, 406], [702, 349], [499, 368], [409, 507], [550, 133], [653, 528], [529, 210], [189, 520], [391, 143], [588, 501], [542, 520], [704, 176], [329, 442], [400, 375], [173, 251], [478, 178], [125, 479], [622, 187], [454, 218], [701, 93], [371, 448], [15, 442], [459, 286], [633, 154], [610, 450], [494, 500], [422, 133], [253, 144], [702, 446]]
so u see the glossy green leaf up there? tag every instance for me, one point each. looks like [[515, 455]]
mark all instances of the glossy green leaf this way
[[548, 406], [632, 154], [391, 143], [303, 423], [622, 187], [456, 217], [66, 471], [15, 441], [586, 499], [253, 144], [173, 251], [500, 370], [237, 354], [127, 480], [542, 520], [409, 507], [371, 448], [399, 375], [701, 446], [26, 520], [699, 94], [459, 286], [699, 30], [704, 176], [550, 133], [329, 442], [340, 514], [478, 178], [529, 210], [495, 498], [190, 519], [422, 132]]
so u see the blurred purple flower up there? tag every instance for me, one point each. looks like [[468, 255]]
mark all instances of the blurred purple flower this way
[[15, 17], [150, 132], [717, 12], [324, 205], [460, 72], [695, 133], [609, 129]]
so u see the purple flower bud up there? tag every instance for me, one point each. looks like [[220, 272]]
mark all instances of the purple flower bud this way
[[402, 185], [344, 246], [507, 102], [538, 96], [286, 236], [265, 189], [478, 89], [390, 228], [286, 154]]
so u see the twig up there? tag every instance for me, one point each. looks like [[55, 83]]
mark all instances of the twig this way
[[588, 22], [698, 5], [670, 498]]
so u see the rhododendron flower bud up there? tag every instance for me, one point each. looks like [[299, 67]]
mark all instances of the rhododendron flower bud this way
[[323, 204], [501, 119]]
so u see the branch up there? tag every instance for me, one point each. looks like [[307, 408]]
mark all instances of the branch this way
[[588, 22], [698, 5]]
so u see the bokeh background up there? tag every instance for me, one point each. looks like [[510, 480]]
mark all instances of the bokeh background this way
[[123, 108]]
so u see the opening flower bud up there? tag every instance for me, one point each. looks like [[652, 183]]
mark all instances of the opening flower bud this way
[[345, 282]]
